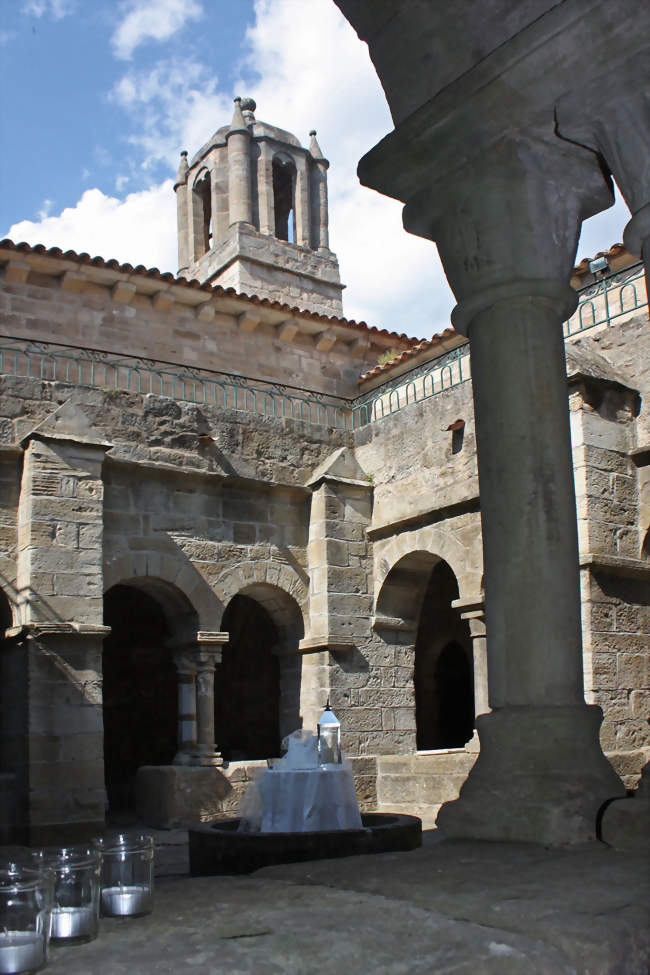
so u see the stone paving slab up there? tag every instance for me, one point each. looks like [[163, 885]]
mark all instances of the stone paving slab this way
[[452, 907]]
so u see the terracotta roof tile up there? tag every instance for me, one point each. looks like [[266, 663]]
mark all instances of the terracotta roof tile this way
[[167, 276], [421, 346]]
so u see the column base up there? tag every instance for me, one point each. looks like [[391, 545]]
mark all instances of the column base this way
[[540, 777], [204, 756]]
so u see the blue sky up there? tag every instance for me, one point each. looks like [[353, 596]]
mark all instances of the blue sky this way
[[99, 96]]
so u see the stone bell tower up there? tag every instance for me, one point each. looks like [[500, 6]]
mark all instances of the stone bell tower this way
[[252, 215]]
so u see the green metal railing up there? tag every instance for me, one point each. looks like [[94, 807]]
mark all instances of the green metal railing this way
[[609, 299], [602, 303], [85, 367], [384, 402]]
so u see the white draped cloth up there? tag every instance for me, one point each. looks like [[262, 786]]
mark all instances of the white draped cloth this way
[[281, 800]]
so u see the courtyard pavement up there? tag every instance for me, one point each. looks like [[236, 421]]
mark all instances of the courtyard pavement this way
[[452, 907]]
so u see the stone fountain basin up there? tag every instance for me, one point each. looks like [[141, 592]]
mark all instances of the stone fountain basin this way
[[218, 848]]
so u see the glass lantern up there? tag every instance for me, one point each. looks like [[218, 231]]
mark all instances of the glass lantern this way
[[75, 909], [25, 918], [127, 874], [329, 738]]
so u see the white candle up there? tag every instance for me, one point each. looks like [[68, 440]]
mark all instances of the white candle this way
[[21, 951], [73, 922], [126, 901]]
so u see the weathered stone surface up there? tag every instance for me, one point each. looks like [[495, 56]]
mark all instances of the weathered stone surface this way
[[463, 907], [175, 795]]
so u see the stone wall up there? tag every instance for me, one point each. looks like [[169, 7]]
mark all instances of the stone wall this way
[[334, 533]]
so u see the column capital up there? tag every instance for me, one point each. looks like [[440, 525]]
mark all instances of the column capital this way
[[507, 224]]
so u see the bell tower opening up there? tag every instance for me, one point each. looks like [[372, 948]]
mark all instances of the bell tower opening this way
[[284, 183], [202, 213]]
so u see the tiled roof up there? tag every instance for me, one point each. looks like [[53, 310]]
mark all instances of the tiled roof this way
[[168, 278], [422, 346]]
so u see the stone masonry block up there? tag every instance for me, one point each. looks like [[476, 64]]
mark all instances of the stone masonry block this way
[[633, 671], [640, 703], [604, 670], [347, 580]]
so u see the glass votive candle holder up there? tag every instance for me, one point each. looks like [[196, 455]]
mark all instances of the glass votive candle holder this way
[[127, 874], [75, 906], [25, 906]]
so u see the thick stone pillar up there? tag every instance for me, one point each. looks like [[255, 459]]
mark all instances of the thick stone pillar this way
[[507, 233], [187, 740], [239, 169], [60, 582]]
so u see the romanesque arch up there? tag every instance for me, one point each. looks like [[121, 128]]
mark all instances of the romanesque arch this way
[[457, 543], [276, 586], [150, 570]]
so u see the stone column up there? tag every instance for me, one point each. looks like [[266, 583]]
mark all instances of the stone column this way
[[187, 735], [472, 609], [182, 215], [265, 189], [239, 168], [205, 658], [303, 236], [318, 194], [507, 233]]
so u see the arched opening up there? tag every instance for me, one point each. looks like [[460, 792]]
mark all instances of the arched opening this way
[[284, 182], [140, 683], [418, 593], [257, 688], [443, 674], [202, 200]]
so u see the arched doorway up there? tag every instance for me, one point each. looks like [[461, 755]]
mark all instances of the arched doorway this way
[[257, 689], [140, 686], [443, 673], [419, 591]]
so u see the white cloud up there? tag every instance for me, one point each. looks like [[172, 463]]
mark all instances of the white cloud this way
[[139, 229], [154, 20], [183, 108], [57, 9], [45, 209]]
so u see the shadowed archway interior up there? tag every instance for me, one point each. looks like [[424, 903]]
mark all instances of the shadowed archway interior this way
[[247, 684], [13, 728], [140, 691], [443, 676]]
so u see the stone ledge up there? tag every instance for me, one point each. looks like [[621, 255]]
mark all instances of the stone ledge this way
[[619, 565]]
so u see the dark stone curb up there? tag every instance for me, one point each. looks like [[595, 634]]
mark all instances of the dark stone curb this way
[[219, 848]]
